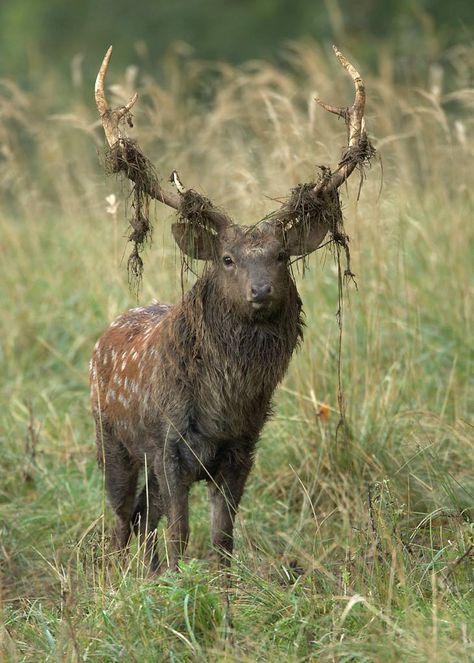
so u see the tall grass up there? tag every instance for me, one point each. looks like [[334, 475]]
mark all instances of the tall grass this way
[[348, 549]]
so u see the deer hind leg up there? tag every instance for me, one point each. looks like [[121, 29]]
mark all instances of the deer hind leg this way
[[121, 475], [148, 511]]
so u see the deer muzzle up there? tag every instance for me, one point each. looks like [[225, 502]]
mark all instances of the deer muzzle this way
[[259, 294]]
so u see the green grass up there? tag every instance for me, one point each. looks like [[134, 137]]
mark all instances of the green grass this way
[[349, 548]]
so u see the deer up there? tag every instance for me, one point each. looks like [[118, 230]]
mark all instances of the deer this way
[[181, 392]]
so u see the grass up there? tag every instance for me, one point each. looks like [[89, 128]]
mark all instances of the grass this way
[[357, 548]]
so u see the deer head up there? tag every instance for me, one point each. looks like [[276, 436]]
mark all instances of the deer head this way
[[252, 262]]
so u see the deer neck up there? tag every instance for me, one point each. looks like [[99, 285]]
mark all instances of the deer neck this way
[[255, 352]]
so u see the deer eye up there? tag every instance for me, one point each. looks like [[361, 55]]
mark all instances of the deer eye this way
[[227, 260], [282, 256]]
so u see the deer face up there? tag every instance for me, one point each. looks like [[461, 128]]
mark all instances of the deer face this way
[[252, 267], [251, 262]]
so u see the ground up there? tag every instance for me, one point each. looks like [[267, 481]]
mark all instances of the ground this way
[[354, 546]]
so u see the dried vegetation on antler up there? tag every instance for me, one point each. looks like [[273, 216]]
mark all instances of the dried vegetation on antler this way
[[317, 203], [310, 206], [124, 156]]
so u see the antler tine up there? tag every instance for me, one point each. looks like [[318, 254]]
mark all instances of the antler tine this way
[[110, 117], [337, 110], [357, 137], [126, 109], [359, 101], [356, 111], [100, 99]]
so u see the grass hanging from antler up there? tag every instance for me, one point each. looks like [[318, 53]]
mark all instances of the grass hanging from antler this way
[[194, 209], [126, 157], [319, 204]]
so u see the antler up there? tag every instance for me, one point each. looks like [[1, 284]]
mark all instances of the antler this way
[[110, 118], [359, 149], [313, 209], [127, 157]]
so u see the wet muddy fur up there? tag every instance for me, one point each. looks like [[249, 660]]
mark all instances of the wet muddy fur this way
[[186, 390]]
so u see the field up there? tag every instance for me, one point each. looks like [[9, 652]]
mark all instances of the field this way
[[355, 547]]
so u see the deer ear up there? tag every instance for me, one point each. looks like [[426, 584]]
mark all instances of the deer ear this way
[[305, 238], [195, 241]]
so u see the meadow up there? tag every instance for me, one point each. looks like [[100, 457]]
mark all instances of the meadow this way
[[349, 547]]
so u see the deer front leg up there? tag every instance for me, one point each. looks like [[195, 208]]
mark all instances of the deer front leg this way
[[148, 511], [174, 484], [225, 492]]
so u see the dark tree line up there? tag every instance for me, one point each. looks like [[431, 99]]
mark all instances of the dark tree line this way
[[36, 35]]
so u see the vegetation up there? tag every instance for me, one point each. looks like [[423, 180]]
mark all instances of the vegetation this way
[[355, 547]]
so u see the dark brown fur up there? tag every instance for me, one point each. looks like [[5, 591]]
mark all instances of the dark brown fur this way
[[186, 389]]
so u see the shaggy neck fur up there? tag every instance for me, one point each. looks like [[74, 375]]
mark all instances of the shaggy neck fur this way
[[234, 360]]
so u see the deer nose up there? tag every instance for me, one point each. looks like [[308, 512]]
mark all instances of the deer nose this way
[[258, 293]]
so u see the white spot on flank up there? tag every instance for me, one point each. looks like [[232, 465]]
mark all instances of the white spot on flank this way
[[123, 400], [110, 395]]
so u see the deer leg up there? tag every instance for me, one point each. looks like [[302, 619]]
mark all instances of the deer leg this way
[[225, 493], [148, 511], [121, 474], [174, 489]]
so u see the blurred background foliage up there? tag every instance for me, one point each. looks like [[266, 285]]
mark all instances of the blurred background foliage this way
[[357, 549], [36, 36]]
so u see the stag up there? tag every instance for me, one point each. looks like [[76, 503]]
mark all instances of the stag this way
[[183, 391]]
